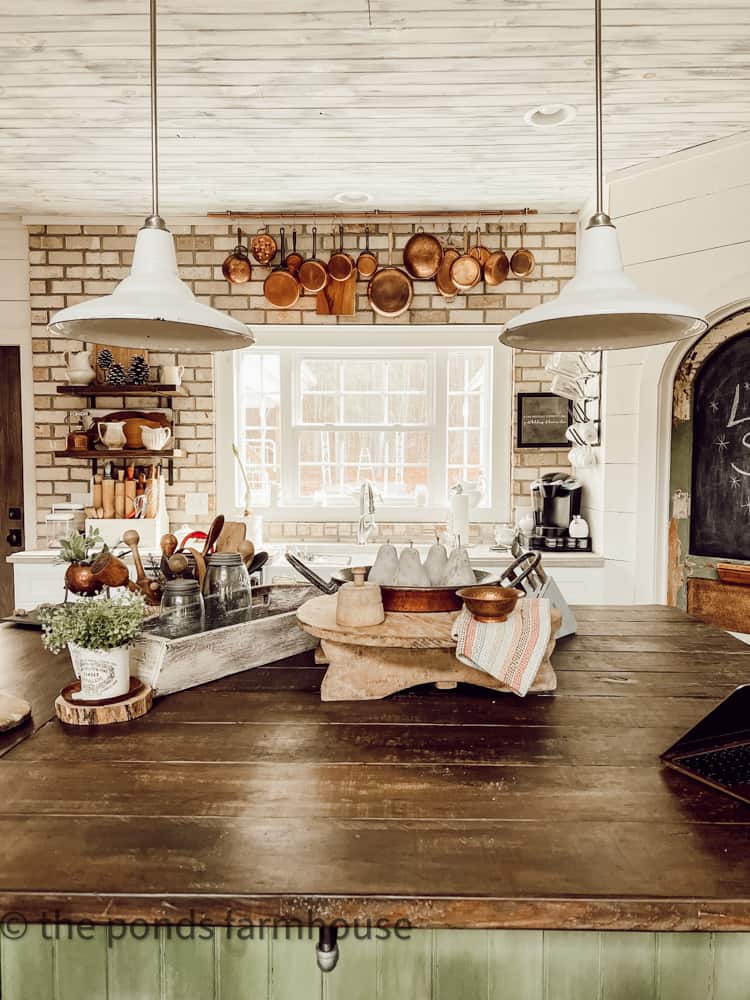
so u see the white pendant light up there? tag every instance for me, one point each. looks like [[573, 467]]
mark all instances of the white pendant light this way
[[152, 307], [601, 308]]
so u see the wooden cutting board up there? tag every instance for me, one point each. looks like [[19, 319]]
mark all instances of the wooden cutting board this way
[[13, 711], [338, 298]]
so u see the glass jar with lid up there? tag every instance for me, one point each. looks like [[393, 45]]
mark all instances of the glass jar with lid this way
[[226, 587], [182, 601]]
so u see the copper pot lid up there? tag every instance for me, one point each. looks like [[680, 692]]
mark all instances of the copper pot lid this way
[[237, 267], [263, 247], [422, 255], [312, 274]]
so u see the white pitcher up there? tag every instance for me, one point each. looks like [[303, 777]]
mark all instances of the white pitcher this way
[[155, 438], [79, 370], [112, 433]]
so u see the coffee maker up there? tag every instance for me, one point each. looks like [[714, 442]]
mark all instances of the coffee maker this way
[[556, 499]]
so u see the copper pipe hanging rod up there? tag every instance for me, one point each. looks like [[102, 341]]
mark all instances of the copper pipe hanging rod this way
[[376, 213]]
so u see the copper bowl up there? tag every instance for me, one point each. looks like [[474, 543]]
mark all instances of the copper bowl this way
[[421, 600], [488, 603]]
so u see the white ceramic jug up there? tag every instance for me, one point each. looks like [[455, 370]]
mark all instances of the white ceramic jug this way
[[79, 370], [112, 433], [155, 438]]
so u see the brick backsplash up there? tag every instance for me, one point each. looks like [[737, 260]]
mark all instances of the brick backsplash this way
[[70, 262]]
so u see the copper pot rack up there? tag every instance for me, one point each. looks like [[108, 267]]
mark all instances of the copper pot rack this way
[[376, 214]]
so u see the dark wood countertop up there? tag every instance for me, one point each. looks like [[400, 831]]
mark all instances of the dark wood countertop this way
[[450, 809]]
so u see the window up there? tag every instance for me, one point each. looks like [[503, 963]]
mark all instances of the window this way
[[319, 422]]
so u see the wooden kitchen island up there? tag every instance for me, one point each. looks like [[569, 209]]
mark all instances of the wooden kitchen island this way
[[536, 847]]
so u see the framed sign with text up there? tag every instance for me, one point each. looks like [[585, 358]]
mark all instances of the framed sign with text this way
[[543, 419]]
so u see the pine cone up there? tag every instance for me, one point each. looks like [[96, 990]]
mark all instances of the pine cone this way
[[139, 371], [105, 359], [116, 375]]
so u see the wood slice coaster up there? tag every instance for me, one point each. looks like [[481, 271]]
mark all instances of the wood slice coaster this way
[[405, 650], [13, 711], [138, 701]]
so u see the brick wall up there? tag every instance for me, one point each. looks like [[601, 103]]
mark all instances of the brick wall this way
[[71, 262]]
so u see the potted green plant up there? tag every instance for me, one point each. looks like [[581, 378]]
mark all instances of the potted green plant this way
[[80, 551], [98, 633]]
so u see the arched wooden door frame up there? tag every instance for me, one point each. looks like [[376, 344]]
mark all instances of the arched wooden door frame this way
[[681, 564]]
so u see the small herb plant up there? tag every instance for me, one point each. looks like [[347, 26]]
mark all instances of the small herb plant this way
[[77, 548], [93, 623]]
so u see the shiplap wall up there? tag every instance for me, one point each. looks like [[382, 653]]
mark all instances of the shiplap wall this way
[[684, 232], [431, 965]]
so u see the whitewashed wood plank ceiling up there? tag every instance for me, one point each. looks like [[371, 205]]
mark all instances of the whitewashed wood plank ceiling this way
[[418, 103]]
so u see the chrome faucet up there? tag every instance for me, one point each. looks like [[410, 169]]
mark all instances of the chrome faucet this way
[[366, 528]]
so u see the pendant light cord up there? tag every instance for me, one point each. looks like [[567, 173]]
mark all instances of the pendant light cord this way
[[598, 74], [154, 221]]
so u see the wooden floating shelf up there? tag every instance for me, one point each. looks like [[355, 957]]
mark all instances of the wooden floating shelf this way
[[96, 389], [112, 453]]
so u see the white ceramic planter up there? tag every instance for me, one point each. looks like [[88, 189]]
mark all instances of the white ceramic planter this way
[[103, 673]]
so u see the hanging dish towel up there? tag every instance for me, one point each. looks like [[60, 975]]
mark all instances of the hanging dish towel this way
[[511, 651]]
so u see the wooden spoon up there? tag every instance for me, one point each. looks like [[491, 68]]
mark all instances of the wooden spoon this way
[[213, 533]]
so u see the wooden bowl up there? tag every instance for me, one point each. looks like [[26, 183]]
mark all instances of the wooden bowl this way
[[490, 604]]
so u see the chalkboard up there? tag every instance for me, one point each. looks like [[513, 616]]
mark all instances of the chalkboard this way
[[543, 419], [720, 491]]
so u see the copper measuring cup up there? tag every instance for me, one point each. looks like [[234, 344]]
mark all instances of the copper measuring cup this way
[[237, 268]]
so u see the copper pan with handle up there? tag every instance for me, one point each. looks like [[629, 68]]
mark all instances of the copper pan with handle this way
[[497, 265], [422, 255], [478, 250], [466, 270], [443, 281], [294, 259], [341, 264], [281, 288], [522, 262], [312, 274], [367, 262], [390, 290]]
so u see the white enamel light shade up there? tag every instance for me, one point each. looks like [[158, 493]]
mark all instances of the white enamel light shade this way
[[152, 308], [601, 308]]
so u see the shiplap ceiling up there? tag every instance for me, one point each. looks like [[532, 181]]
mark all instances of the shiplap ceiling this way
[[420, 103]]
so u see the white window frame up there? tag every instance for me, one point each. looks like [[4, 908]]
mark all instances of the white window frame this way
[[347, 340]]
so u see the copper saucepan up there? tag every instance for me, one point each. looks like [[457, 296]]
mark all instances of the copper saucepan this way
[[522, 262], [340, 264], [312, 274], [237, 268], [281, 287], [390, 290], [466, 269], [422, 255], [295, 258], [497, 265], [367, 262], [263, 246]]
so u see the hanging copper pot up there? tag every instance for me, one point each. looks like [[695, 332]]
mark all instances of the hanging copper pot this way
[[497, 265], [479, 251], [522, 262], [390, 290], [466, 270], [312, 274], [263, 246], [367, 262], [422, 255], [443, 281], [237, 268], [281, 287], [294, 259], [340, 264]]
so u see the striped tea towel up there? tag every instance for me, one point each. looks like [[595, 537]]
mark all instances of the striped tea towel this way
[[511, 651]]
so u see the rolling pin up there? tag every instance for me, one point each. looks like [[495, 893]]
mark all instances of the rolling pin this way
[[96, 491], [108, 494], [152, 493], [130, 492], [120, 494]]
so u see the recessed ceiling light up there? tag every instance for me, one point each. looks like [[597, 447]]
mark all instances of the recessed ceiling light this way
[[550, 115], [353, 198]]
